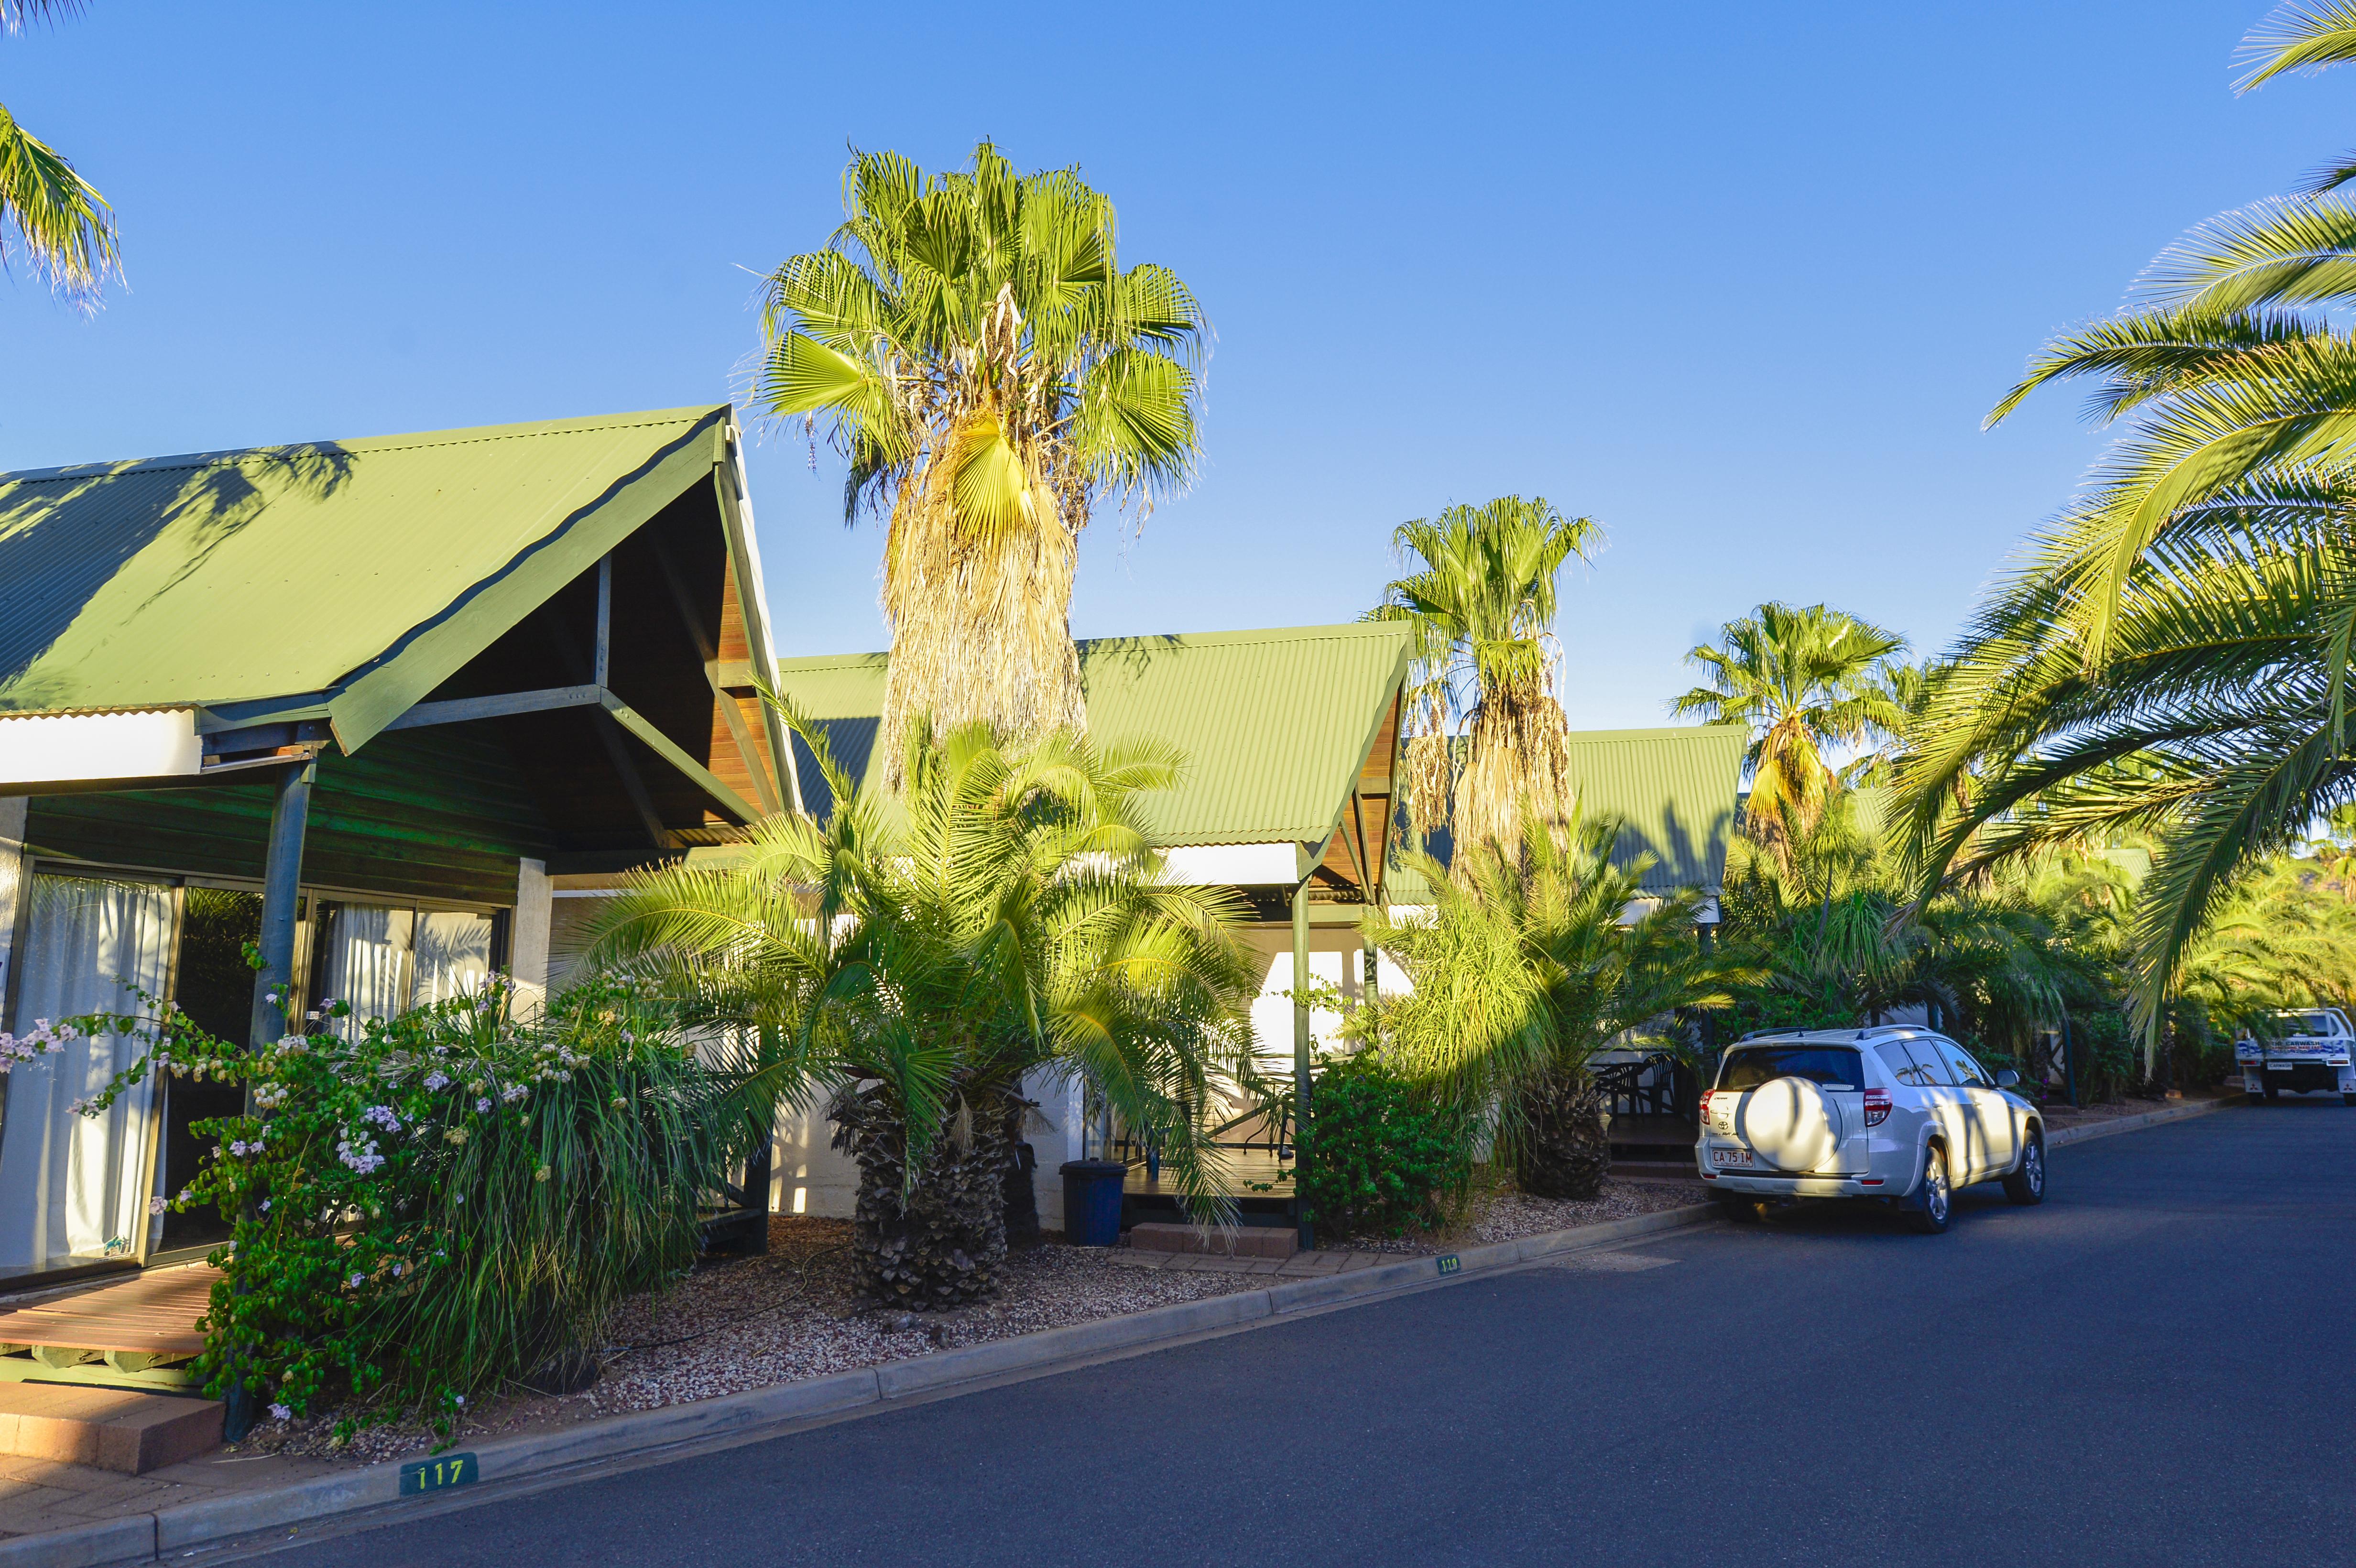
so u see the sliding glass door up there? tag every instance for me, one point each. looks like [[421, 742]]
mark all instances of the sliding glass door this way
[[74, 1188]]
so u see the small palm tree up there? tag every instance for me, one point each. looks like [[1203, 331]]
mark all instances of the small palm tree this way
[[1529, 964], [994, 378], [47, 211], [912, 963], [1802, 680], [1481, 601]]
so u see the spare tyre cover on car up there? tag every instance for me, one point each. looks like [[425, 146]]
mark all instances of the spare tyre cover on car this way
[[1792, 1124]]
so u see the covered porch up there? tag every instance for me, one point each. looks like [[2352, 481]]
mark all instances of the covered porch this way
[[350, 707]]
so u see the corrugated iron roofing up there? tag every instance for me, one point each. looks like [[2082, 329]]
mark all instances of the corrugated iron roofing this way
[[1275, 724], [278, 571], [1673, 790]]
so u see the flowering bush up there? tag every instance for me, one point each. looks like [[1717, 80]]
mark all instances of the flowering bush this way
[[442, 1203]]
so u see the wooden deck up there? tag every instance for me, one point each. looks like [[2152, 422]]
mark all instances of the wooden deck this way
[[138, 1334], [1242, 1166]]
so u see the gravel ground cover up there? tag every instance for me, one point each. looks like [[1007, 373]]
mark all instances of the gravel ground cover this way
[[751, 1322]]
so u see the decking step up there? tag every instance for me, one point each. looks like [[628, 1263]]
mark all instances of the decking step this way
[[113, 1429]]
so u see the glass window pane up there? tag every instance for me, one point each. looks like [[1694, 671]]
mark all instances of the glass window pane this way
[[1748, 1067], [454, 955], [368, 961]]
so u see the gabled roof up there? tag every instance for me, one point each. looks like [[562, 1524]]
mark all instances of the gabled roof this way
[[342, 579], [1673, 790], [1275, 724]]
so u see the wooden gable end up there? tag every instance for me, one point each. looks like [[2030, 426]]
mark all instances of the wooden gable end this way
[[1356, 856]]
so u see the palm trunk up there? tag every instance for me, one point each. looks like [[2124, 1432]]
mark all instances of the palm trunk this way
[[1519, 761], [942, 1244], [1567, 1148], [981, 624]]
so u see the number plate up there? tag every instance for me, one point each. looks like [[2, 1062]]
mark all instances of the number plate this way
[[2280, 1066], [439, 1474], [1729, 1156]]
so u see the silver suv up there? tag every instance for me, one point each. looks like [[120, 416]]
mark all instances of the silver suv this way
[[1897, 1114]]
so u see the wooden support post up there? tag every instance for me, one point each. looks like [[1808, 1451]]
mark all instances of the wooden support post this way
[[1300, 1059], [274, 986], [603, 657]]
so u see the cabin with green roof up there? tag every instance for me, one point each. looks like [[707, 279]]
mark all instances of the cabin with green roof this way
[[361, 702]]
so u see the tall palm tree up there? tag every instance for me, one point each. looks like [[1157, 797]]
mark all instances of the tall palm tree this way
[[993, 378], [1529, 964], [2174, 654], [913, 966], [1481, 601], [55, 216], [1801, 679]]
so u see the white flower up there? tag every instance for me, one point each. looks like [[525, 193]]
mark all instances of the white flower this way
[[437, 1079], [482, 1105], [156, 1205], [460, 1398], [280, 1413], [357, 1279], [266, 1205]]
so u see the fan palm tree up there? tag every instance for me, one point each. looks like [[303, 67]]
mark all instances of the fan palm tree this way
[[61, 223], [915, 962], [1529, 964], [1801, 679], [993, 378], [1481, 601], [2174, 654]]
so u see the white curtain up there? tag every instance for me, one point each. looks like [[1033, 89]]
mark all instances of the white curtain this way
[[368, 962], [454, 955], [71, 1185]]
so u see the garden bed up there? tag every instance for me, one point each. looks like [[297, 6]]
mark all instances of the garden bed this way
[[751, 1322]]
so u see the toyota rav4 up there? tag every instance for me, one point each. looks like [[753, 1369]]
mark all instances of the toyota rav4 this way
[[1897, 1114]]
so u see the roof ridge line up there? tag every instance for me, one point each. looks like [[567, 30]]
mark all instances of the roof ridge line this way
[[242, 454]]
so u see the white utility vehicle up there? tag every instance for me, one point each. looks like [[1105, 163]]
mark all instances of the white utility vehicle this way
[[1898, 1113], [2304, 1050]]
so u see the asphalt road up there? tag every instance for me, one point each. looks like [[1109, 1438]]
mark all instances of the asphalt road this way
[[2155, 1367]]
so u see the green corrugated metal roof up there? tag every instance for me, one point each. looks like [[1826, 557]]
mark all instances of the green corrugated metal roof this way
[[359, 573], [1274, 723], [1673, 789]]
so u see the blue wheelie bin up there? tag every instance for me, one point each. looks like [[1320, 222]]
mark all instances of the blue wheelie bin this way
[[1092, 1201]]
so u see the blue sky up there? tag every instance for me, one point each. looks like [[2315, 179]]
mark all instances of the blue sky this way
[[1737, 280]]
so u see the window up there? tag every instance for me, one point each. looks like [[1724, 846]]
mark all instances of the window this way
[[1960, 1062], [384, 960], [1904, 1068], [1751, 1066]]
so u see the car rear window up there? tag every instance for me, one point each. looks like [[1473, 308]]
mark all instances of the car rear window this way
[[1749, 1066]]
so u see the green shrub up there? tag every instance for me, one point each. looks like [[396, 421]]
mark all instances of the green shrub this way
[[449, 1200], [1378, 1159]]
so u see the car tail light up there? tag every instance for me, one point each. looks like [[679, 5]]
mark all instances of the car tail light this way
[[1705, 1102], [1876, 1106]]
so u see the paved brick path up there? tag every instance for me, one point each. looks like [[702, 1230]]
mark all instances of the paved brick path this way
[[1299, 1265]]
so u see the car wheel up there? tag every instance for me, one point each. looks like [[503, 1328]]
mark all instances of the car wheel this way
[[1738, 1210], [2027, 1183], [1932, 1207], [2271, 1093]]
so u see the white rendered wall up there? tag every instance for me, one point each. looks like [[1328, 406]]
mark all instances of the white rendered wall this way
[[527, 936]]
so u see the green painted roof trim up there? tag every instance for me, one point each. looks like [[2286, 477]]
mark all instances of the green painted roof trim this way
[[1672, 789], [343, 577], [1275, 724]]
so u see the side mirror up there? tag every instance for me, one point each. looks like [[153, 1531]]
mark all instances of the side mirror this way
[[2007, 1078]]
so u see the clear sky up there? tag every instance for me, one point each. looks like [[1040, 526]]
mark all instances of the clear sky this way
[[1737, 280]]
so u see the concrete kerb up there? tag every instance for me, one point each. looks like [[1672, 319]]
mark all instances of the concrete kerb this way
[[763, 1413]]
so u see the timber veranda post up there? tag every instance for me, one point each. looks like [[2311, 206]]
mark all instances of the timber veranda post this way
[[1301, 1060], [282, 887]]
